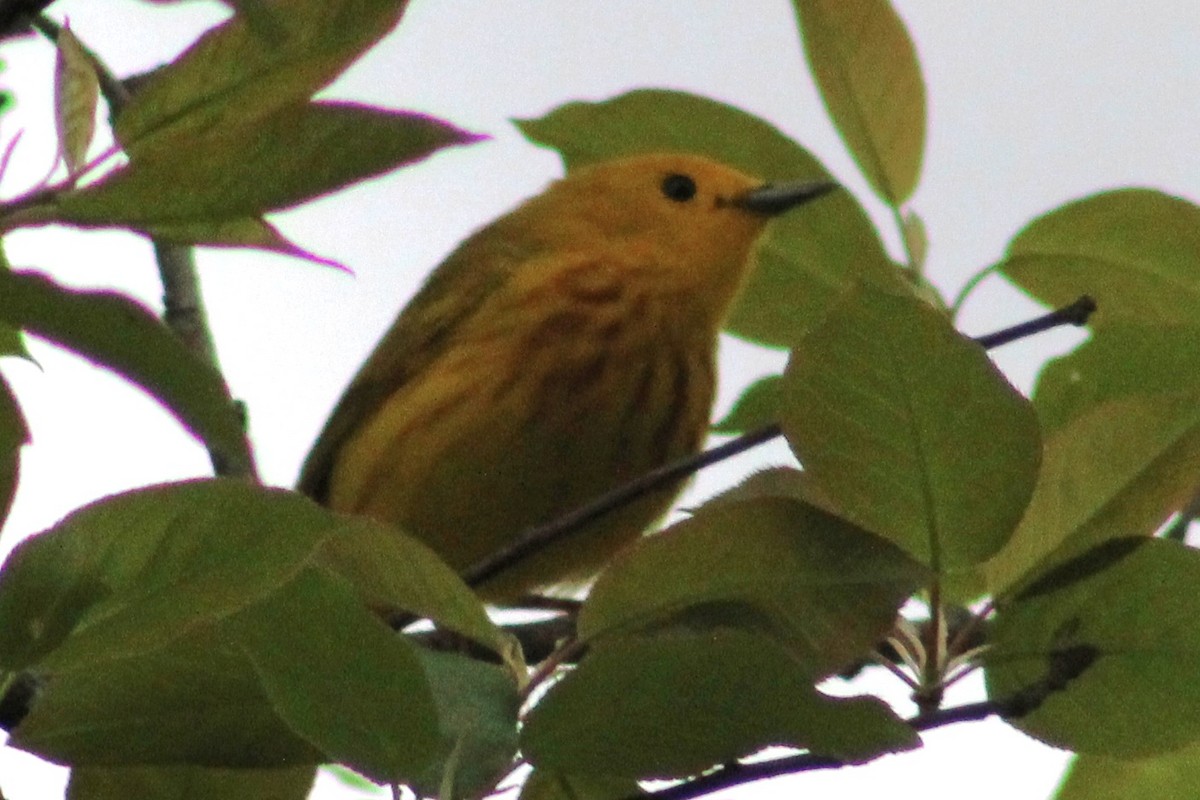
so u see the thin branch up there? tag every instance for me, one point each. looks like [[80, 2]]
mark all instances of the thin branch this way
[[1076, 313], [1064, 666], [535, 539], [183, 306]]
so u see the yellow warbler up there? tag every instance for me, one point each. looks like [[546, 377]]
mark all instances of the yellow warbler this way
[[559, 352]]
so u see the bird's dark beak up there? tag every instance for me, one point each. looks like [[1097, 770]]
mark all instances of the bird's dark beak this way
[[775, 198]]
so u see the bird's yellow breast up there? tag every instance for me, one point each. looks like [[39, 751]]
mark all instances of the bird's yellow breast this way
[[560, 388]]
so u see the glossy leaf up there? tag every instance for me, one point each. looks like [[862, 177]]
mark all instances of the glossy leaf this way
[[806, 259], [1136, 251], [909, 429], [1137, 619], [122, 335], [825, 589], [732, 692], [866, 68]]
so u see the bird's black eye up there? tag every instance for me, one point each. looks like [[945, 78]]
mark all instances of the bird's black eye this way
[[679, 188]]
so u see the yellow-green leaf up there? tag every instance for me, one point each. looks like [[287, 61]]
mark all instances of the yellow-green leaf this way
[[866, 67], [1136, 251], [76, 93]]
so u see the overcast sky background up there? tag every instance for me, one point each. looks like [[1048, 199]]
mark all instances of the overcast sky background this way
[[1031, 104]]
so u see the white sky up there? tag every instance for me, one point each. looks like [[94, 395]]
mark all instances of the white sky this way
[[1031, 104]]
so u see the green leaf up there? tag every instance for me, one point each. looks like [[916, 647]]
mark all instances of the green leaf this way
[[689, 701], [245, 68], [244, 232], [76, 94], [866, 68], [133, 572], [477, 713], [189, 783], [1172, 776], [122, 335], [341, 678], [909, 430], [825, 589], [1136, 251], [545, 784], [195, 701], [1119, 470], [805, 260], [758, 406], [394, 572], [13, 435], [1137, 618], [1120, 360], [249, 167]]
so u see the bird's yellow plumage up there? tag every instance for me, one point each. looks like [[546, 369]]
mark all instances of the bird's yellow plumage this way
[[559, 352]]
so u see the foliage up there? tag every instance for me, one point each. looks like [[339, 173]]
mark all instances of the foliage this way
[[217, 638]]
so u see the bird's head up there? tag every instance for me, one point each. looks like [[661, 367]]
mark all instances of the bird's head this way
[[692, 216]]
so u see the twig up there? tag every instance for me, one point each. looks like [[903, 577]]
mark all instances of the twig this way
[[183, 306], [537, 538], [1076, 313], [1064, 666]]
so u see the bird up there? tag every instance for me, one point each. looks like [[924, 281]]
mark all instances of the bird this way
[[562, 350]]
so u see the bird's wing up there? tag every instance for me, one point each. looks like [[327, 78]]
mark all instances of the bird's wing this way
[[453, 292]]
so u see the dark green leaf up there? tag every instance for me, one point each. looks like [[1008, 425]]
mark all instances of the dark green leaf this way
[[13, 435], [245, 232], [758, 406], [340, 678], [1136, 251], [477, 713], [824, 588], [124, 336], [393, 572], [245, 68], [195, 701], [866, 68], [1139, 617], [806, 259], [273, 161], [689, 701], [909, 430], [144, 567], [189, 783], [549, 785]]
